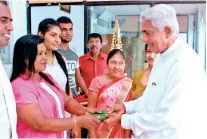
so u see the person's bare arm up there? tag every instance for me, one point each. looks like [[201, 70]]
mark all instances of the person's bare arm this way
[[80, 81], [73, 107], [133, 86], [92, 99], [32, 115]]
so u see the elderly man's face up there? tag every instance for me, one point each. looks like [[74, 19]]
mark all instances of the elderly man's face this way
[[155, 38], [5, 25]]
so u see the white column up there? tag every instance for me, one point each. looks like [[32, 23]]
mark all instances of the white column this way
[[191, 30], [202, 33], [18, 12]]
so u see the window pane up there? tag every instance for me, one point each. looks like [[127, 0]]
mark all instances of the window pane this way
[[102, 21]]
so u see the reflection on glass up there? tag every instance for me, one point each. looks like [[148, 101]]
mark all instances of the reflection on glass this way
[[102, 21], [191, 19]]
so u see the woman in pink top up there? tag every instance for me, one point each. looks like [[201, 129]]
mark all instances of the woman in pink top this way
[[40, 101]]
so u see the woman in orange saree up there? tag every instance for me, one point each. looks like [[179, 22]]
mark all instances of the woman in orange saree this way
[[109, 89]]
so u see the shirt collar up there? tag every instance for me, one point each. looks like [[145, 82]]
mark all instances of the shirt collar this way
[[171, 48], [89, 56]]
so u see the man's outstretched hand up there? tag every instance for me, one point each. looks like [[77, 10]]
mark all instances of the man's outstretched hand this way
[[118, 108], [113, 119], [114, 115]]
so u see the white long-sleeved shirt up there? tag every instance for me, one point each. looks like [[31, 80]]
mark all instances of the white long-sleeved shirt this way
[[174, 102], [5, 128], [8, 117]]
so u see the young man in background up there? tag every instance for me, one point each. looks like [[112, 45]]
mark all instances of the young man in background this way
[[72, 61]]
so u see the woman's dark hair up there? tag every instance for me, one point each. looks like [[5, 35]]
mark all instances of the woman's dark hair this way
[[114, 52], [44, 26], [25, 52], [145, 47], [62, 64]]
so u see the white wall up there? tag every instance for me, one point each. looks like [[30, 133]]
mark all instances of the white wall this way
[[38, 13], [17, 7], [201, 33], [191, 29]]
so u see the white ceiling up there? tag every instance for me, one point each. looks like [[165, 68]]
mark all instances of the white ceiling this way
[[54, 1], [144, 0], [181, 9], [131, 9]]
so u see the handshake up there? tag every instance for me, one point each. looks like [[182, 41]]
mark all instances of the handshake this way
[[112, 117], [94, 118]]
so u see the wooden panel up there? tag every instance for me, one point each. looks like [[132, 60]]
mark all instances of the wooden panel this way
[[107, 40], [52, 1], [183, 23], [128, 23], [148, 0], [57, 1]]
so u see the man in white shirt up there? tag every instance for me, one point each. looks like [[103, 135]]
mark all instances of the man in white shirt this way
[[174, 102], [8, 116]]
